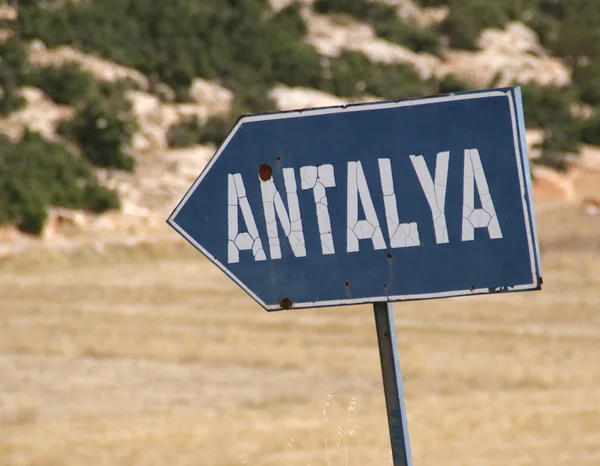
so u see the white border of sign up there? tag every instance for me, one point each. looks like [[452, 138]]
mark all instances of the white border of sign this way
[[513, 95]]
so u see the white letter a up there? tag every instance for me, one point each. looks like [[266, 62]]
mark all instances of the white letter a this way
[[477, 218]]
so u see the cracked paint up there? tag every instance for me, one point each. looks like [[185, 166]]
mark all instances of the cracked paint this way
[[477, 218], [241, 241], [435, 191], [401, 235], [318, 179], [361, 229], [291, 221]]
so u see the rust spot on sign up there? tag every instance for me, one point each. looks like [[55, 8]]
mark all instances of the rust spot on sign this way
[[286, 303], [265, 172], [389, 255]]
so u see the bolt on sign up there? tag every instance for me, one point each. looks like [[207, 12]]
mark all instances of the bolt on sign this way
[[377, 202]]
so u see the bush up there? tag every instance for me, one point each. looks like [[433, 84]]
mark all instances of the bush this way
[[466, 19], [353, 74], [185, 133], [587, 78], [591, 129], [450, 85], [549, 108], [103, 127], [214, 130], [240, 42], [35, 174], [67, 84], [14, 66], [355, 8]]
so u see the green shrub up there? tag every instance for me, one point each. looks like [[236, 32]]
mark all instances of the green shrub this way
[[185, 133], [14, 66], [450, 85], [355, 8], [67, 84], [466, 19], [548, 108], [103, 127], [240, 42], [432, 3], [353, 74], [587, 79], [214, 130], [412, 37], [591, 129], [36, 174]]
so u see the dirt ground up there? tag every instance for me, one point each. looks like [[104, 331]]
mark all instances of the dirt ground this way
[[151, 356]]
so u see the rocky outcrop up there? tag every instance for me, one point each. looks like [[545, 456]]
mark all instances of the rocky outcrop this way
[[155, 117], [8, 13], [508, 56], [331, 36], [211, 95], [103, 69], [163, 174], [40, 114]]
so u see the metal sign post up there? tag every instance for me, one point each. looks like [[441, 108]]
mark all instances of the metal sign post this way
[[392, 383]]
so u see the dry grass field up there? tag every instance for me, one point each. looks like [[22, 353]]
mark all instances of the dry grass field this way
[[152, 356]]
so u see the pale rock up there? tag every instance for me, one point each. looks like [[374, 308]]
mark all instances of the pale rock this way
[[292, 98], [155, 117], [211, 94], [332, 36], [278, 5], [40, 114], [165, 92], [12, 129], [581, 110], [409, 12], [590, 158], [513, 54], [99, 67], [63, 222], [8, 13], [5, 34], [534, 138], [550, 184], [186, 163], [151, 127]]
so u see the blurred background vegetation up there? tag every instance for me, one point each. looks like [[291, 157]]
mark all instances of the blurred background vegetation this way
[[247, 47]]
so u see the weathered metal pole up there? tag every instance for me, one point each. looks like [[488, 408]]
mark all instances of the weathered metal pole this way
[[392, 383]]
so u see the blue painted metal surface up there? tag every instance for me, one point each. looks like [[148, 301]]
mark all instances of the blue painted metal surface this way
[[377, 202]]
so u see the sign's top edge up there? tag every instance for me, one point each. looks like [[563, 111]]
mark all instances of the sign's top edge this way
[[357, 106]]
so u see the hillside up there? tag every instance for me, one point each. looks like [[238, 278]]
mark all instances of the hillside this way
[[132, 97]]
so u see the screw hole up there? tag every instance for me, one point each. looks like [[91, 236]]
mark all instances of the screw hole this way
[[389, 255], [347, 283], [265, 172], [278, 158], [286, 303]]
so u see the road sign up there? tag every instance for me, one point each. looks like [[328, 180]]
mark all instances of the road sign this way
[[376, 202]]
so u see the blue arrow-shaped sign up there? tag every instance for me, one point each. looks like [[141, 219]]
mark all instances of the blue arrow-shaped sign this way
[[385, 201]]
